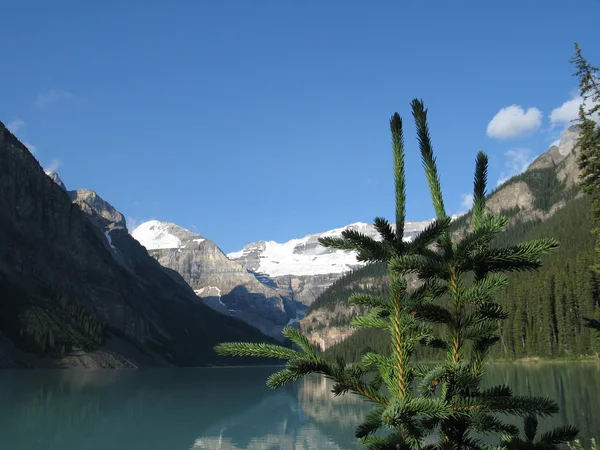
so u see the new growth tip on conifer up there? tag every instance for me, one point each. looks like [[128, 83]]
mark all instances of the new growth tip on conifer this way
[[418, 406]]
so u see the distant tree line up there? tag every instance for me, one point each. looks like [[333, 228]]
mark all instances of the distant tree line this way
[[547, 309], [41, 321]]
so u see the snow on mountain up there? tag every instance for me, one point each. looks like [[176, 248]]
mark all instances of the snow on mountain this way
[[109, 239], [155, 235], [305, 256], [54, 176], [219, 282]]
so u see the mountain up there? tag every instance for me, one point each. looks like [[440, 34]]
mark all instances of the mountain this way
[[78, 290], [547, 308], [54, 177], [528, 200], [303, 267], [222, 284]]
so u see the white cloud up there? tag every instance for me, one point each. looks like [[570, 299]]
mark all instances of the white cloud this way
[[466, 203], [513, 121], [15, 125], [566, 112], [569, 111], [45, 99], [53, 166], [555, 143], [517, 161]]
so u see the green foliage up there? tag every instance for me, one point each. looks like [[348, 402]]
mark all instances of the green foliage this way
[[43, 322], [551, 440], [547, 310], [589, 140], [545, 186], [577, 445], [453, 312], [368, 279]]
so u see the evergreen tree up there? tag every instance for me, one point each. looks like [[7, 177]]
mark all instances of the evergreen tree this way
[[589, 141], [567, 269], [452, 311]]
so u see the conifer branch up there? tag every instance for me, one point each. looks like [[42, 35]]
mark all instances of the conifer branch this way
[[370, 322], [368, 300], [487, 229], [489, 424], [558, 436], [483, 290], [296, 336], [391, 442], [431, 380], [385, 230], [399, 175], [420, 115], [367, 248], [530, 425], [259, 350], [517, 258], [433, 313], [435, 230], [371, 424], [479, 186], [284, 376], [522, 406]]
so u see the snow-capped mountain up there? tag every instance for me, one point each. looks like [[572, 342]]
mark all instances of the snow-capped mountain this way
[[54, 176], [155, 235], [220, 283], [303, 266]]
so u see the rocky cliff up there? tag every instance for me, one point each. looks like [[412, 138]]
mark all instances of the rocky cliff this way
[[222, 284], [69, 269], [303, 267]]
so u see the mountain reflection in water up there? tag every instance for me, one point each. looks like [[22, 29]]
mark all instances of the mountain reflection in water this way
[[230, 409]]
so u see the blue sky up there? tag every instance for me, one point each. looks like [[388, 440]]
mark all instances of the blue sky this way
[[268, 120]]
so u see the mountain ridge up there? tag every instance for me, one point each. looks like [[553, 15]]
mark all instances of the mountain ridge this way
[[220, 283], [547, 186], [67, 271], [302, 267]]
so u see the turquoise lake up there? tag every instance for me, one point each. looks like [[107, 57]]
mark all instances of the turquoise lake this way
[[230, 409]]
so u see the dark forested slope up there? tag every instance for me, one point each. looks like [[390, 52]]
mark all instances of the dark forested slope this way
[[547, 308], [71, 288]]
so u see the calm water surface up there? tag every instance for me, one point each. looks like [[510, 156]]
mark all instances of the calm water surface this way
[[229, 409]]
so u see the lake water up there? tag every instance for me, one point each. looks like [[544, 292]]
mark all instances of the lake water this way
[[189, 409]]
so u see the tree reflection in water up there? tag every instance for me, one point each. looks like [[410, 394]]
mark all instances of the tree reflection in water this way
[[231, 409]]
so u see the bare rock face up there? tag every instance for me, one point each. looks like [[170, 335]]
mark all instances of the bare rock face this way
[[224, 285], [512, 195], [562, 158], [547, 160], [83, 251], [568, 171], [302, 288], [319, 326], [569, 140], [90, 202]]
